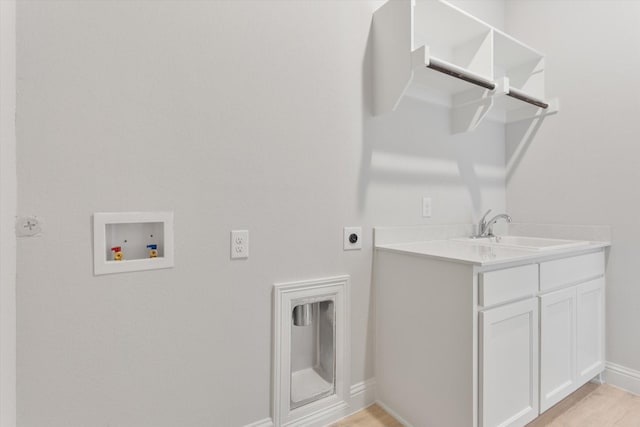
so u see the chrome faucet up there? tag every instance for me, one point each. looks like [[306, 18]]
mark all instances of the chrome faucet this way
[[485, 228]]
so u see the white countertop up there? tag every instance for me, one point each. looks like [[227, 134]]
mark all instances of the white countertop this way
[[482, 255]]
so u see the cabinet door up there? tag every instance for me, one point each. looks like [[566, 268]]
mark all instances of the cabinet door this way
[[509, 364], [557, 346], [590, 329]]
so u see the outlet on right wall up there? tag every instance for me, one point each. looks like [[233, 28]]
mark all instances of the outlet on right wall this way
[[583, 165]]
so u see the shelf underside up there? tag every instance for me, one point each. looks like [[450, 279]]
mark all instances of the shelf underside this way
[[442, 86], [442, 83], [507, 103]]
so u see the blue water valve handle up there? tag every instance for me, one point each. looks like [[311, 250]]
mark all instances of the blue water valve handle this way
[[152, 246]]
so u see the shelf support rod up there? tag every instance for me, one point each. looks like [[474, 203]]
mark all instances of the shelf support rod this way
[[460, 73], [514, 93]]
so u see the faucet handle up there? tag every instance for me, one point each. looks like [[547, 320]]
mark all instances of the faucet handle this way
[[482, 220], [482, 224]]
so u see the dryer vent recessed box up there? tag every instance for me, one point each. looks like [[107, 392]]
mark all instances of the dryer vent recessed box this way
[[132, 241]]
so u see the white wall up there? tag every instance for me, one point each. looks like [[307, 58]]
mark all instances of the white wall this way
[[489, 11], [582, 167], [7, 213], [233, 115]]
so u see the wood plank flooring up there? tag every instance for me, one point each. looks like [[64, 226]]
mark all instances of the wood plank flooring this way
[[604, 406], [373, 416], [590, 406], [563, 406]]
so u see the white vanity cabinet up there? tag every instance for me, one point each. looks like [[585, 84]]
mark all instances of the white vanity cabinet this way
[[508, 346], [509, 364], [557, 346], [460, 344], [590, 330], [571, 325]]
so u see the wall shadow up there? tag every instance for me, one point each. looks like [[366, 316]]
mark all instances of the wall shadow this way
[[518, 137], [414, 146]]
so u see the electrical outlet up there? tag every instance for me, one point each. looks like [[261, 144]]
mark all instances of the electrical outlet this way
[[352, 238], [239, 244], [426, 207]]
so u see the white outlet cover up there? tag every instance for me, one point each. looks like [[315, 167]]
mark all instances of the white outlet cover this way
[[239, 244], [426, 207], [348, 245]]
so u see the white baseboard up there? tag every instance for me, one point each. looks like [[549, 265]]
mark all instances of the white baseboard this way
[[262, 423], [394, 414], [361, 395], [622, 377], [322, 417]]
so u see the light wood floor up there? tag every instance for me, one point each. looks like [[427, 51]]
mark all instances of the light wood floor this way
[[373, 416], [590, 406]]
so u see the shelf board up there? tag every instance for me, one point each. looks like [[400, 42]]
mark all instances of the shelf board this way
[[440, 36], [511, 97], [507, 103], [440, 82], [511, 110]]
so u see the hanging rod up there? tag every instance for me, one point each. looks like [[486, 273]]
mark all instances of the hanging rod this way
[[460, 73], [515, 93]]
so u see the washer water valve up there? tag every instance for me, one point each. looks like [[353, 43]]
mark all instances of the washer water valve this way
[[117, 253], [153, 251]]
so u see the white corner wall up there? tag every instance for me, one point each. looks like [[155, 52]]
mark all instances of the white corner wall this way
[[233, 115], [7, 213], [489, 11], [582, 167]]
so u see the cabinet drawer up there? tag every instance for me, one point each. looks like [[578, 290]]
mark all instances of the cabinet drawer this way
[[567, 271], [509, 284]]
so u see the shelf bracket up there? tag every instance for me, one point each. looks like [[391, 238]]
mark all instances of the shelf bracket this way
[[467, 117]]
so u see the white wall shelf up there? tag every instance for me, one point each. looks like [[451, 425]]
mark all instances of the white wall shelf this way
[[144, 239], [436, 52]]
